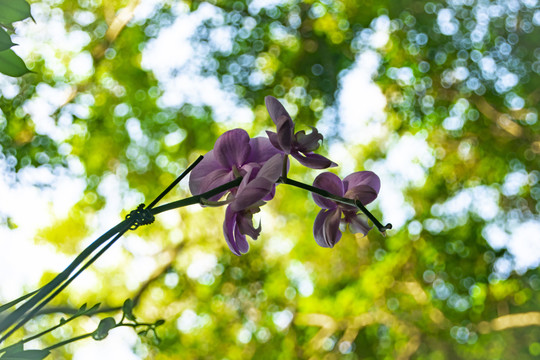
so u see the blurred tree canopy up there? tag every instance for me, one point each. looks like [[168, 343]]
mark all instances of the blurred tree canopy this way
[[125, 94]]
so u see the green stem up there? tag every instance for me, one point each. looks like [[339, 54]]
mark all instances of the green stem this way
[[134, 325], [197, 199], [284, 167], [24, 341], [35, 310], [65, 342], [382, 228], [11, 319]]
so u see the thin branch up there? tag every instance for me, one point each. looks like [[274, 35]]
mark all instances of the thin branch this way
[[171, 254], [356, 203], [353, 325], [510, 321], [118, 23]]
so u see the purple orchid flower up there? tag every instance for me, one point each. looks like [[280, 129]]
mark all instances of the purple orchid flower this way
[[234, 155], [299, 145], [362, 185], [256, 186], [259, 164]]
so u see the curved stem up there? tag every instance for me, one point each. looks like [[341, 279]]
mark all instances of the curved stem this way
[[382, 228], [65, 342], [9, 320], [197, 199], [31, 313], [174, 183]]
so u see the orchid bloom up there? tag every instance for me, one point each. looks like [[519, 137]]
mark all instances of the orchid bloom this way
[[256, 186], [234, 155], [299, 145], [362, 185], [260, 166]]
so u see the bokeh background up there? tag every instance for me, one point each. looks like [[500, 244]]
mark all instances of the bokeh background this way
[[440, 99]]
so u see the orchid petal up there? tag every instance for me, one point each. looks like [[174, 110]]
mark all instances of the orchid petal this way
[[275, 109], [261, 150], [357, 224], [331, 183], [308, 143], [272, 136], [213, 180], [364, 193], [270, 195], [232, 148], [241, 241], [229, 226], [313, 161], [271, 169], [249, 171], [368, 178], [252, 193], [245, 225], [201, 171], [285, 132], [326, 228]]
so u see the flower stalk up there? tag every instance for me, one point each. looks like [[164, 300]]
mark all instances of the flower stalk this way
[[357, 203]]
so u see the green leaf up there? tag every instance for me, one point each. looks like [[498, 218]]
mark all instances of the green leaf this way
[[13, 10], [16, 301], [105, 325], [127, 308], [81, 310], [11, 64], [17, 352], [26, 355], [17, 347], [159, 322], [93, 308], [5, 40]]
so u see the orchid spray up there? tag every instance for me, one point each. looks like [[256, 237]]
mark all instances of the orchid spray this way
[[263, 163], [241, 173]]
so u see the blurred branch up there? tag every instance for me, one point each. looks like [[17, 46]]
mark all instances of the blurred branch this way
[[167, 257], [510, 321], [116, 25], [327, 324], [353, 325], [505, 121], [414, 289]]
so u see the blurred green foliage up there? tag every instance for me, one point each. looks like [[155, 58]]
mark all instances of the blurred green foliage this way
[[461, 75]]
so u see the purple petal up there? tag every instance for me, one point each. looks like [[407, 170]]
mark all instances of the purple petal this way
[[245, 225], [254, 189], [308, 143], [229, 226], [275, 109], [326, 228], [241, 241], [285, 133], [232, 148], [357, 224], [271, 194], [197, 176], [364, 193], [331, 183], [272, 169], [272, 136], [368, 178], [250, 170], [313, 161], [261, 150], [251, 193], [215, 179]]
